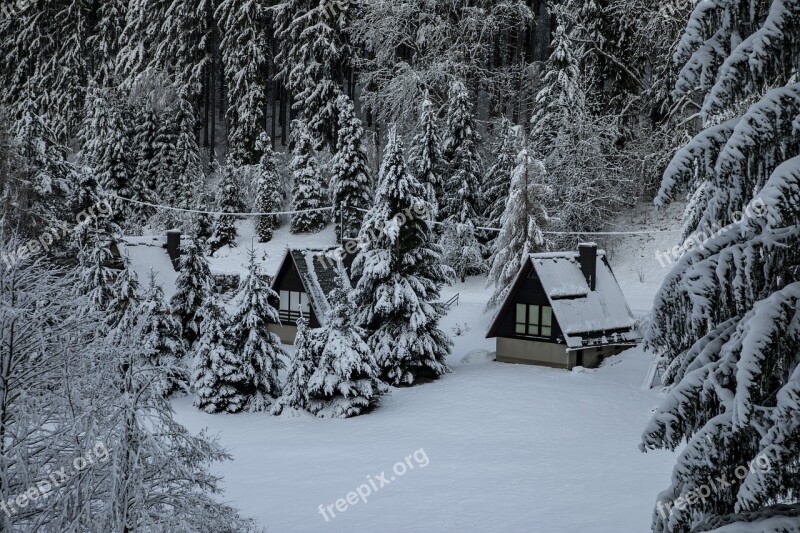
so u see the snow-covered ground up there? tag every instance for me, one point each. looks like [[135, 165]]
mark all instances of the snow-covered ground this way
[[504, 447]]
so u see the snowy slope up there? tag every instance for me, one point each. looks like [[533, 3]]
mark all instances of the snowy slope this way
[[510, 448]]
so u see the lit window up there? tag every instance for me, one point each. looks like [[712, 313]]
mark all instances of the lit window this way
[[534, 320], [521, 319], [292, 304], [547, 321]]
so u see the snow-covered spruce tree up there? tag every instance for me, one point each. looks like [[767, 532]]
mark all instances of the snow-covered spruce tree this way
[[157, 478], [308, 190], [202, 224], [95, 275], [108, 152], [425, 155], [229, 200], [177, 166], [126, 296], [460, 210], [445, 41], [244, 46], [521, 225], [346, 378], [312, 53], [258, 349], [725, 320], [401, 274], [498, 177], [105, 39], [295, 390], [351, 186], [269, 198], [46, 177], [463, 183], [219, 379], [461, 250], [51, 71], [576, 145], [192, 288], [163, 341]]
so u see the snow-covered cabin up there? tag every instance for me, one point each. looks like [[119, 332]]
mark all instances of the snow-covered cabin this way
[[564, 309], [303, 282]]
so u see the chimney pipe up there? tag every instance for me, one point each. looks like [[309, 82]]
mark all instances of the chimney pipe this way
[[174, 247], [588, 261]]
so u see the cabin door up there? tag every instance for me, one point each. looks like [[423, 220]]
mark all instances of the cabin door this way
[[579, 358]]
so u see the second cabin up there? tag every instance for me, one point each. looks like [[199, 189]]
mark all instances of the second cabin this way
[[564, 309]]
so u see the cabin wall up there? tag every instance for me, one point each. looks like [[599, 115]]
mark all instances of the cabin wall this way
[[287, 334], [288, 279], [530, 292], [532, 352]]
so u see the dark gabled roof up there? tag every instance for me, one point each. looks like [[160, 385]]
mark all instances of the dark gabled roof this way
[[587, 317], [318, 269]]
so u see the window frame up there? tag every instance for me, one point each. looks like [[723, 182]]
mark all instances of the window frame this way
[[289, 301], [538, 320]]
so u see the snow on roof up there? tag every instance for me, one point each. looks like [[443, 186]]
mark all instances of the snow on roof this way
[[146, 253], [318, 271], [586, 317]]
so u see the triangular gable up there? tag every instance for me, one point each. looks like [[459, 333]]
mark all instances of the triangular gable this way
[[317, 270], [586, 317], [504, 308]]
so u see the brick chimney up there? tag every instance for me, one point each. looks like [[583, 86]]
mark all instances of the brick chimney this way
[[174, 247], [588, 259]]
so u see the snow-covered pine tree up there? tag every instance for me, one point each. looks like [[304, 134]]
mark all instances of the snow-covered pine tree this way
[[202, 224], [576, 145], [126, 296], [192, 288], [229, 200], [219, 379], [351, 186], [463, 183], [425, 155], [498, 177], [258, 349], [105, 40], [308, 190], [51, 71], [244, 60], [46, 180], [401, 274], [463, 251], [107, 150], [725, 321], [521, 225], [561, 98], [268, 189], [295, 390], [312, 52], [95, 275], [163, 342], [346, 378]]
